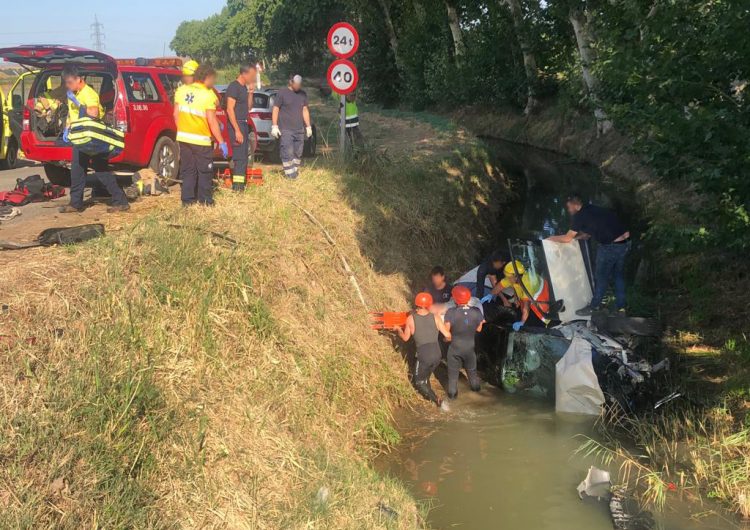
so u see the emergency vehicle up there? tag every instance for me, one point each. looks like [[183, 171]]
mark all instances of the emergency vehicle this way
[[4, 138], [137, 96]]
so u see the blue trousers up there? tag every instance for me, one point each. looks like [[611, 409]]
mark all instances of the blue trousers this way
[[79, 164], [610, 265], [291, 146]]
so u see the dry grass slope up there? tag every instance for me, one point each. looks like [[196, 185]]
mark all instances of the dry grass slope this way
[[199, 383]]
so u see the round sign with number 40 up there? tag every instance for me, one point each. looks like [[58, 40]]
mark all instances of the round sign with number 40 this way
[[343, 40], [343, 76]]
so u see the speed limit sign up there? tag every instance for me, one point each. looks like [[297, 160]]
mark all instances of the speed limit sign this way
[[343, 40], [343, 76]]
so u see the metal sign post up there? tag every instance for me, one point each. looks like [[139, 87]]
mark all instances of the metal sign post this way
[[342, 125], [343, 41]]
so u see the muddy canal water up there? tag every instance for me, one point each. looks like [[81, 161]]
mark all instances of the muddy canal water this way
[[508, 462]]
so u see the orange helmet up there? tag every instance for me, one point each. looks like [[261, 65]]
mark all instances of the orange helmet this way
[[423, 300], [461, 295]]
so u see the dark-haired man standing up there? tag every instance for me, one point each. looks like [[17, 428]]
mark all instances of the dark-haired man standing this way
[[239, 96], [439, 288], [613, 239], [84, 99]]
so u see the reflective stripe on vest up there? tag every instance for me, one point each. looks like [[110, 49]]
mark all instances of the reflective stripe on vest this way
[[352, 121], [541, 299], [194, 112], [192, 138]]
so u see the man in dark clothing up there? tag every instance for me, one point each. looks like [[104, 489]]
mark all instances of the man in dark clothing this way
[[239, 94], [291, 123], [441, 294], [613, 240], [463, 322], [439, 288], [492, 267], [425, 327], [82, 98]]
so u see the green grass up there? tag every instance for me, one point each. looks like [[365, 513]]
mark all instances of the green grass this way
[[436, 121]]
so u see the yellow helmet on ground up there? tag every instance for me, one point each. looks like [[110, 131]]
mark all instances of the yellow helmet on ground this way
[[510, 270], [189, 67]]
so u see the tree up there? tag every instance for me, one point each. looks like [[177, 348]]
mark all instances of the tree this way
[[529, 59], [579, 20], [454, 23]]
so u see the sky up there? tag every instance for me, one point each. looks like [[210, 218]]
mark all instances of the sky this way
[[132, 28]]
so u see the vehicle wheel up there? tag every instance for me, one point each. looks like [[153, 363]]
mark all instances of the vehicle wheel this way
[[11, 158], [311, 144], [165, 160], [60, 176]]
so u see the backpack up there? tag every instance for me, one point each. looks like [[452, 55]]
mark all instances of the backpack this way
[[31, 189], [32, 186]]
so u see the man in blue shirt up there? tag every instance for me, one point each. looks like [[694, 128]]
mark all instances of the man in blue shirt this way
[[613, 239]]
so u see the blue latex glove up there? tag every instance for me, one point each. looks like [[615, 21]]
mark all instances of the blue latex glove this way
[[488, 298], [224, 149], [517, 326], [66, 132]]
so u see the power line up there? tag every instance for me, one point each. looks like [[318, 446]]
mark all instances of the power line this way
[[97, 34]]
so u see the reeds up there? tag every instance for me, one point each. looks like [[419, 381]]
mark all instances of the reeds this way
[[693, 451]]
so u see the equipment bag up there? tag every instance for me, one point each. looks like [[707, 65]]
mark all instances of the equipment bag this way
[[92, 136], [69, 235], [33, 186], [14, 198], [31, 189]]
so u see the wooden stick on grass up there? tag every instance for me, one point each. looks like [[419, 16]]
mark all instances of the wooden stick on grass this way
[[332, 242]]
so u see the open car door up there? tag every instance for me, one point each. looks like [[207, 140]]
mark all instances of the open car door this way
[[39, 56]]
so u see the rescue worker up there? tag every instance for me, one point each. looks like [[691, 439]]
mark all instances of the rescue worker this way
[[291, 123], [463, 322], [439, 288], [239, 97], [188, 72], [351, 112], [441, 295], [195, 116], [83, 98], [613, 239], [492, 266], [527, 293], [425, 327]]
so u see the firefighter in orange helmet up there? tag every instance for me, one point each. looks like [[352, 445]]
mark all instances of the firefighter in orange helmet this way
[[425, 328], [463, 322]]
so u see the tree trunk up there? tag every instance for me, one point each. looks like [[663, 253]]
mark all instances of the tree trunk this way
[[529, 59], [390, 28], [588, 57], [455, 26]]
